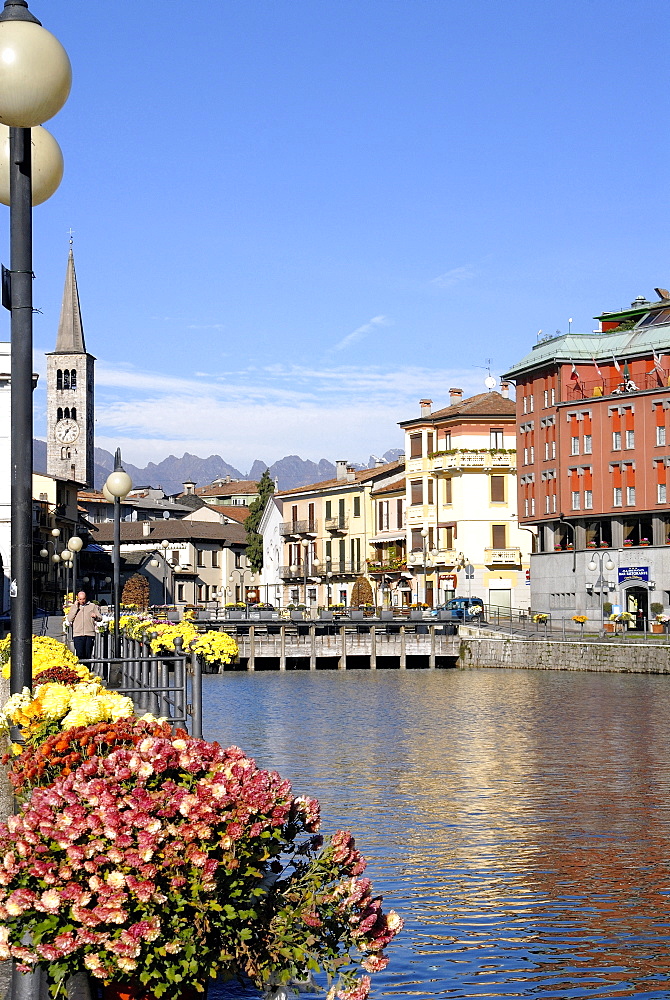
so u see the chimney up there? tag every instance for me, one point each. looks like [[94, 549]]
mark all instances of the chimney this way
[[351, 474], [455, 395], [189, 487], [504, 389], [379, 462], [341, 469], [146, 528], [425, 405]]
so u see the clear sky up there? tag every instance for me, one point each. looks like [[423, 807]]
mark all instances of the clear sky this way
[[295, 218]]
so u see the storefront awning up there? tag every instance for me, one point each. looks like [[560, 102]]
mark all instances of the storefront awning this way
[[395, 536]]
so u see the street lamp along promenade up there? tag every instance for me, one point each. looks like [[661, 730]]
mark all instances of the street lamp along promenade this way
[[117, 486], [35, 80], [602, 585]]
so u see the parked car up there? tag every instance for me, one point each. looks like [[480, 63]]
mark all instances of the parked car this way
[[464, 609]]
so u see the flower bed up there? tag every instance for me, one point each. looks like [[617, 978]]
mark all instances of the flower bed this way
[[150, 857]]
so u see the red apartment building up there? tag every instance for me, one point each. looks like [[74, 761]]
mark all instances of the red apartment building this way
[[592, 412]]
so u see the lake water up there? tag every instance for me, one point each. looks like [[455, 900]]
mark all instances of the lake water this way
[[519, 821]]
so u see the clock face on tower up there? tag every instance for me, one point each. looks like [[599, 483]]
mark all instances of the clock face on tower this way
[[67, 430]]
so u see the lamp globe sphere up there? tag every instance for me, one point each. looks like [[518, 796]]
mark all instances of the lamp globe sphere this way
[[75, 544], [35, 74], [47, 165], [119, 483]]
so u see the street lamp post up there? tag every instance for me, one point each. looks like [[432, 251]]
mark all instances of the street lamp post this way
[[602, 585], [240, 580], [118, 485], [566, 524], [35, 79]]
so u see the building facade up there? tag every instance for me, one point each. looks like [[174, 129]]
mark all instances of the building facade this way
[[461, 525], [592, 425]]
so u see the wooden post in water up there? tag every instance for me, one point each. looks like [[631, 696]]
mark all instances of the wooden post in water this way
[[282, 649], [312, 651], [251, 662], [342, 665], [431, 658], [373, 648], [403, 654]]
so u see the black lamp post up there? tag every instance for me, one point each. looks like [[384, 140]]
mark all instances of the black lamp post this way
[[35, 79], [118, 485]]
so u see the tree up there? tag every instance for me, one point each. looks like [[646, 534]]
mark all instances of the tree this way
[[361, 592], [266, 488], [136, 591]]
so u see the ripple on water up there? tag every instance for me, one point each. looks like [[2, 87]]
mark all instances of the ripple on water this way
[[519, 821]]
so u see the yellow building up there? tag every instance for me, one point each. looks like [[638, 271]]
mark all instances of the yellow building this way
[[462, 530], [326, 532]]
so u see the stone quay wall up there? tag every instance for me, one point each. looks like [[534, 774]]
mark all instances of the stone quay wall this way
[[535, 654]]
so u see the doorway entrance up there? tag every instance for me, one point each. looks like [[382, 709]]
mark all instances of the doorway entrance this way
[[637, 603]]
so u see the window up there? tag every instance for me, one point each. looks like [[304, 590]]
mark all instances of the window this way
[[618, 497], [546, 450], [574, 446], [660, 435], [73, 412], [661, 493], [496, 439], [447, 491], [616, 440], [59, 415], [59, 379], [73, 379], [553, 449], [525, 507], [383, 515], [415, 446], [416, 488], [587, 444], [431, 499], [449, 537], [525, 456], [532, 506], [497, 489], [329, 509], [417, 540], [553, 397], [203, 592], [532, 454], [180, 591], [215, 558], [174, 557], [546, 397], [430, 447], [329, 551], [588, 499], [447, 440], [525, 404], [200, 557], [630, 439], [575, 500], [499, 536], [66, 379], [546, 504], [630, 496], [238, 560], [531, 404], [357, 506]]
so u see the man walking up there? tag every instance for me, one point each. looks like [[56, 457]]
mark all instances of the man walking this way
[[82, 616]]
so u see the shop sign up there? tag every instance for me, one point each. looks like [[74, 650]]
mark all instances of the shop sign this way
[[628, 574]]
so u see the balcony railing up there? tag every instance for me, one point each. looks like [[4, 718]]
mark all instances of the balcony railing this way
[[387, 566], [337, 523], [298, 528], [510, 556], [474, 460]]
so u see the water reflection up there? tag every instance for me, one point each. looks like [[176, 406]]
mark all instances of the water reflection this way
[[519, 821]]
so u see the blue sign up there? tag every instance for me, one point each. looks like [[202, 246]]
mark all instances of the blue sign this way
[[628, 574]]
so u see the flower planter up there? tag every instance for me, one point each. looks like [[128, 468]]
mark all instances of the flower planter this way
[[657, 628]]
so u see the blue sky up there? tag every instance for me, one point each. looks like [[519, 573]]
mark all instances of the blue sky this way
[[295, 219]]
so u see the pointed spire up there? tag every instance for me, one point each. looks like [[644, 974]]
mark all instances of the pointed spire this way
[[70, 339]]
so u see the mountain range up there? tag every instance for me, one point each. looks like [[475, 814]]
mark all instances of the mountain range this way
[[170, 474]]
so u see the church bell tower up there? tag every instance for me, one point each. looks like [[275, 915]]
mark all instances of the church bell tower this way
[[70, 393]]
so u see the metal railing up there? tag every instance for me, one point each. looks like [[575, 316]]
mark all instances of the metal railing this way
[[167, 686]]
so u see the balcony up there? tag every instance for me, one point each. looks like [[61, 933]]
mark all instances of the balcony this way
[[509, 557], [298, 528], [467, 459], [337, 524], [387, 566]]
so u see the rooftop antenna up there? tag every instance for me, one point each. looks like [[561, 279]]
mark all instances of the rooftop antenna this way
[[570, 325], [490, 381], [539, 334]]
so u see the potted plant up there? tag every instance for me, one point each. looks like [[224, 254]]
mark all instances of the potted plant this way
[[591, 545], [658, 625], [644, 541], [608, 625], [161, 860], [604, 545], [627, 542], [541, 618], [580, 620]]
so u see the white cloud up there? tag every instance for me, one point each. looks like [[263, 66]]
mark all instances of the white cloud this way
[[361, 331], [336, 411], [453, 277]]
